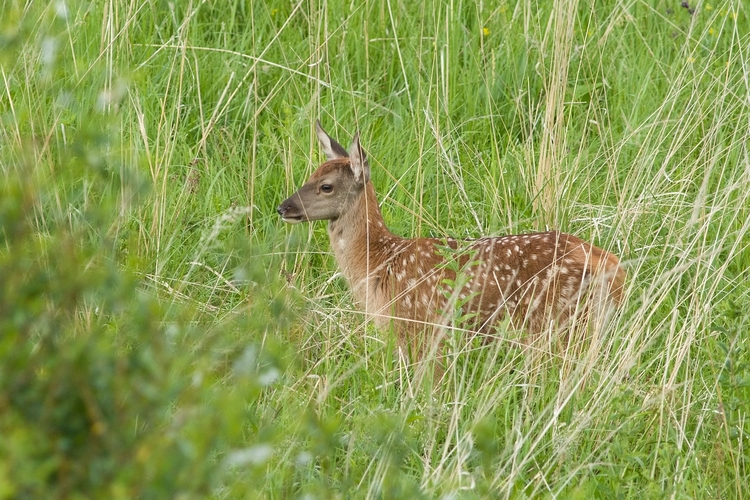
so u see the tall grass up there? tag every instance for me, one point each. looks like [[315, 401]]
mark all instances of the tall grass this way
[[172, 130]]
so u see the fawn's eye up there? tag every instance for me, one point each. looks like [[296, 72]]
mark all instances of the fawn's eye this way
[[326, 188]]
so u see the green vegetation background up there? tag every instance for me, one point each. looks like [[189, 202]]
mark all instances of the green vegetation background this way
[[164, 335]]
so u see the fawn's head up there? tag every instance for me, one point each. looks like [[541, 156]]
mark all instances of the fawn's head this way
[[332, 187]]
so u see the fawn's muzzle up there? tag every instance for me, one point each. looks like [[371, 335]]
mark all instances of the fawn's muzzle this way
[[286, 211]]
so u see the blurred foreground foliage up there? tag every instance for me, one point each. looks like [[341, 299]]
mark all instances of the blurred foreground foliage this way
[[105, 391]]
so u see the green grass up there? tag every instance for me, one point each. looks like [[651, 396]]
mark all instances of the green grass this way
[[145, 146]]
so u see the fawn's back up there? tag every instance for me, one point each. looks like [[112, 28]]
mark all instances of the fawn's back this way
[[535, 280]]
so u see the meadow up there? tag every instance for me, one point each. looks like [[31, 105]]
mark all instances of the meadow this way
[[163, 334]]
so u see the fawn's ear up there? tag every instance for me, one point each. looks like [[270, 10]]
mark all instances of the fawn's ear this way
[[331, 148], [360, 167]]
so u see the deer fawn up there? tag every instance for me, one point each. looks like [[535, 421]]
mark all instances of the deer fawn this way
[[535, 280]]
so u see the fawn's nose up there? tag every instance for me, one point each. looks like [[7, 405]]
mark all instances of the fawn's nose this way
[[281, 209]]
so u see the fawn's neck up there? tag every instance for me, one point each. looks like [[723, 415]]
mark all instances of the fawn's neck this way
[[360, 239]]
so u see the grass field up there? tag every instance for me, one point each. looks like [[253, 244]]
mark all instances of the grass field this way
[[166, 335]]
